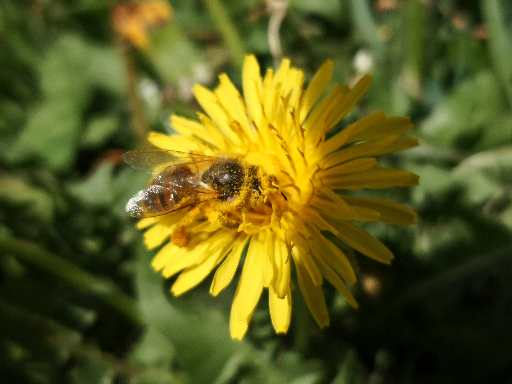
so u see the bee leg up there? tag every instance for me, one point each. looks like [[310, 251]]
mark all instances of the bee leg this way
[[180, 235]]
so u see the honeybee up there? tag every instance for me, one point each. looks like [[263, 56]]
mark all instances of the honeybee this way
[[188, 180]]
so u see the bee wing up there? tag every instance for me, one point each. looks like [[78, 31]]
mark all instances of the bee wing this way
[[137, 208], [155, 160]]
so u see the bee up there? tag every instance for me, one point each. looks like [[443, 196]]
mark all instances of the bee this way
[[182, 180]]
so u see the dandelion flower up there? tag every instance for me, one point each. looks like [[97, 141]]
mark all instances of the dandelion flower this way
[[131, 21], [306, 171]]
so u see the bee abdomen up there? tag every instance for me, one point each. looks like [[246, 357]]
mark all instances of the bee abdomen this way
[[153, 200]]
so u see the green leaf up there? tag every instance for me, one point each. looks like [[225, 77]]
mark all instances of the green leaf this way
[[39, 334], [99, 130], [434, 182], [461, 118], [155, 355], [154, 350], [105, 69], [431, 240], [506, 217], [51, 134], [96, 190], [68, 73], [496, 164], [351, 370], [64, 71], [330, 9], [176, 58], [497, 133], [90, 370], [485, 175], [199, 334], [16, 191]]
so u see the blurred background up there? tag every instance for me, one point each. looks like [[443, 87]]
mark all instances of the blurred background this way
[[82, 81]]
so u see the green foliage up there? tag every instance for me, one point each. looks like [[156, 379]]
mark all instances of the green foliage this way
[[79, 302]]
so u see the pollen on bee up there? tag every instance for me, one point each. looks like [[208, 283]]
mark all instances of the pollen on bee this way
[[133, 207], [180, 237]]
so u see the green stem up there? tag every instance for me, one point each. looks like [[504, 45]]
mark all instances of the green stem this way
[[139, 125], [73, 276], [364, 24], [227, 29], [499, 43]]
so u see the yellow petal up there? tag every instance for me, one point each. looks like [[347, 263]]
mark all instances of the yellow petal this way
[[222, 143], [161, 231], [353, 166], [325, 251], [351, 99], [191, 277], [210, 104], [186, 257], [315, 123], [283, 71], [301, 252], [384, 145], [313, 295], [316, 87], [390, 126], [237, 328], [345, 135], [280, 311], [146, 222], [374, 179], [174, 142], [270, 91], [180, 258], [290, 80], [233, 104], [313, 217], [252, 86], [267, 254], [189, 127], [336, 282], [366, 149], [248, 291], [362, 241], [295, 84], [156, 235], [282, 282], [167, 254], [226, 271], [339, 209], [390, 211]]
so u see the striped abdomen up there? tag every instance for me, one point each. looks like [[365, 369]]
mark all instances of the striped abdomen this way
[[164, 194]]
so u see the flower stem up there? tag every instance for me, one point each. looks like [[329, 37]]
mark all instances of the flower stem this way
[[277, 9], [137, 112], [499, 43], [227, 29], [364, 24], [73, 276]]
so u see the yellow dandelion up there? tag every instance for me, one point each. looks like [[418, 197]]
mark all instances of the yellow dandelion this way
[[281, 183], [131, 21]]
